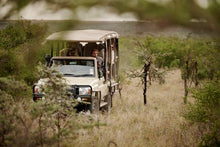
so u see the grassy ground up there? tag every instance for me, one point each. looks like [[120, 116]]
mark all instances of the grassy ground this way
[[130, 123]]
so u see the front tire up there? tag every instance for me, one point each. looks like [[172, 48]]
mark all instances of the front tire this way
[[109, 102], [94, 106]]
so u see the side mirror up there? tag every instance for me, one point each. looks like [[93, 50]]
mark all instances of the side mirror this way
[[47, 58]]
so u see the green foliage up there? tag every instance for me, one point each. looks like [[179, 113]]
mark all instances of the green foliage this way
[[214, 9], [205, 112], [6, 118], [8, 64], [24, 122], [207, 101], [147, 59], [11, 37], [14, 95], [57, 107], [18, 43], [173, 52], [17, 89], [167, 49], [19, 33], [20, 50], [128, 60]]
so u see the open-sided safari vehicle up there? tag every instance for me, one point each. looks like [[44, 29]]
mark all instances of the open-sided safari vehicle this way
[[92, 79]]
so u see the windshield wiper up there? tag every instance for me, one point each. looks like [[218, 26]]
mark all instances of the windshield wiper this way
[[70, 75], [85, 75]]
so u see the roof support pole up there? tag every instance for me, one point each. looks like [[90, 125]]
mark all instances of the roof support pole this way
[[105, 60], [58, 46], [51, 49]]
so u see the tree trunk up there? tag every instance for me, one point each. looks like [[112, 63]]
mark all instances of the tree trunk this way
[[185, 81], [196, 76], [146, 69]]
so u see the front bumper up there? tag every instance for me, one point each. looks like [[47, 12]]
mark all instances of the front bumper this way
[[37, 96], [72, 93]]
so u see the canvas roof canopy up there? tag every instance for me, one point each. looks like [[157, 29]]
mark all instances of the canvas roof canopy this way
[[83, 35]]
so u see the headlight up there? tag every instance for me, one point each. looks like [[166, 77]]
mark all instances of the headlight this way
[[37, 89], [84, 90]]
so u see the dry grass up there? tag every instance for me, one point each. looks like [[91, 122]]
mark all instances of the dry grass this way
[[130, 123]]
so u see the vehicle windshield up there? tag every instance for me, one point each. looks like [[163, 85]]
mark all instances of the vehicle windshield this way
[[74, 67]]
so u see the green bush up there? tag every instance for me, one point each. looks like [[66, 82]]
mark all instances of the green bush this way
[[20, 32], [205, 112], [21, 49], [174, 52], [8, 64], [6, 118], [56, 110], [17, 89], [25, 123]]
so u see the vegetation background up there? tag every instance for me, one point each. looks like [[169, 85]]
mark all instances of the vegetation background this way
[[165, 121]]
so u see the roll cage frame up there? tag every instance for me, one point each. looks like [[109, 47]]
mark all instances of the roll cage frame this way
[[105, 41]]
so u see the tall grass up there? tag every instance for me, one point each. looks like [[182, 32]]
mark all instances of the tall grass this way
[[130, 123]]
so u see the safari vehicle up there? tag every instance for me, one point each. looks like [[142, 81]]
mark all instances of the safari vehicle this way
[[80, 70]]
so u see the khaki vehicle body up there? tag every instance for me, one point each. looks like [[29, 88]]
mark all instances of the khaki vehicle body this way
[[81, 71]]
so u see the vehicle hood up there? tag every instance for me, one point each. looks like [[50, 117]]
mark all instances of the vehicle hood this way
[[81, 81]]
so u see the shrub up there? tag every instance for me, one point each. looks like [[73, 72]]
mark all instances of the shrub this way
[[6, 118], [21, 49], [56, 110], [174, 52], [205, 112], [20, 32], [17, 89], [8, 64]]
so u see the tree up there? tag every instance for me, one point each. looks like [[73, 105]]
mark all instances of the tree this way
[[149, 70], [56, 110], [6, 118], [205, 113]]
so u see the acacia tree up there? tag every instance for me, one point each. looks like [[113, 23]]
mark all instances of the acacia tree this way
[[149, 70], [200, 62], [55, 112]]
